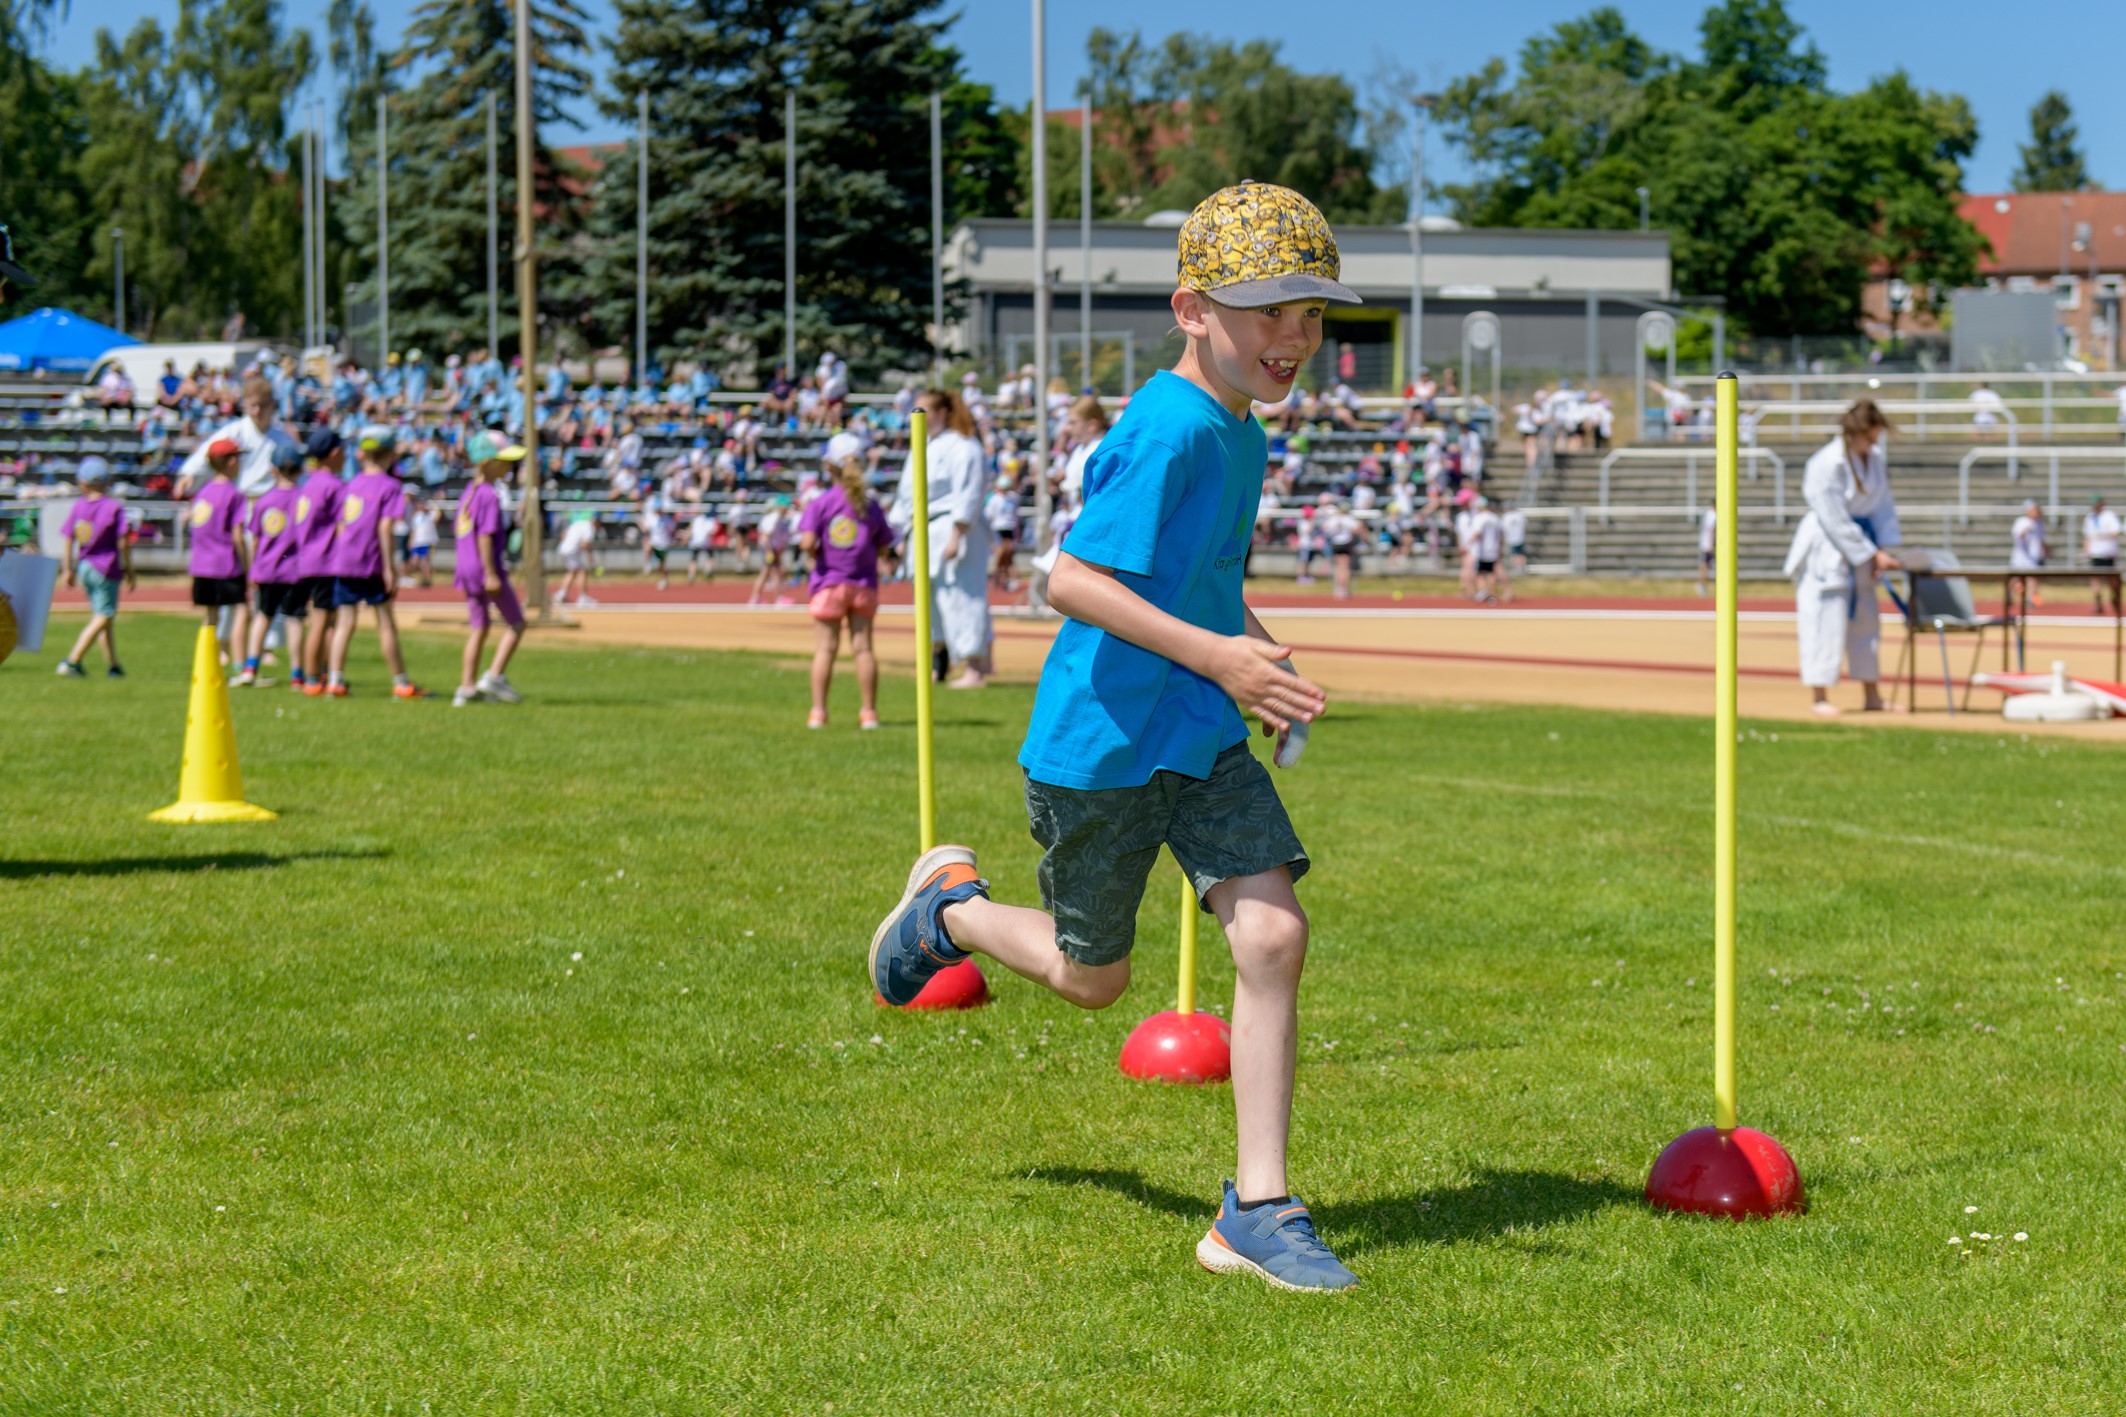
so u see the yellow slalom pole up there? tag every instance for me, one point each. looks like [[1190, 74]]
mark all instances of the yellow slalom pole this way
[[1726, 441], [1186, 1002], [926, 786]]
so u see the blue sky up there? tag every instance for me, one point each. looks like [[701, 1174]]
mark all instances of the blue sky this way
[[2000, 61]]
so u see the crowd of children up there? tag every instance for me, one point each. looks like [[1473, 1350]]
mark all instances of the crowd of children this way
[[296, 563]]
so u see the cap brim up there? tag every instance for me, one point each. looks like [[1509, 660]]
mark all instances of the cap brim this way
[[1281, 290], [512, 453]]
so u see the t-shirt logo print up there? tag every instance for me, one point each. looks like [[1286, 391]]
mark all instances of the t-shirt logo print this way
[[83, 532], [202, 513], [465, 523], [842, 532], [302, 509], [351, 511], [275, 522]]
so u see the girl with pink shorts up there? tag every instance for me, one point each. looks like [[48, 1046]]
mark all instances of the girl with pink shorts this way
[[843, 531]]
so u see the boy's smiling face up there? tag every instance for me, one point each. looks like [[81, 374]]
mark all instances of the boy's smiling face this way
[[1246, 356]]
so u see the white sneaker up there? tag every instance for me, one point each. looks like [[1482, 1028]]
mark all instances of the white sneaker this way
[[585, 600], [463, 697], [498, 688]]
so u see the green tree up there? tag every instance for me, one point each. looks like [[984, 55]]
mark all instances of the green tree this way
[[1777, 194], [716, 72], [2052, 159], [456, 55], [1174, 123], [40, 192]]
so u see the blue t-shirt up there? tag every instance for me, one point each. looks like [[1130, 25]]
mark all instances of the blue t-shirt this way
[[1170, 500]]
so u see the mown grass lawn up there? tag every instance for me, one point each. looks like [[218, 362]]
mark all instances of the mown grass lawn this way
[[526, 1065]]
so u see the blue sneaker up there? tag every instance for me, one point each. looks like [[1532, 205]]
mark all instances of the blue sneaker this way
[[1274, 1242], [910, 944]]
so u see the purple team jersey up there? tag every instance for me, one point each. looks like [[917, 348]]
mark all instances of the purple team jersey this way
[[479, 514], [216, 517], [273, 535], [96, 525], [317, 512], [371, 500], [848, 544]]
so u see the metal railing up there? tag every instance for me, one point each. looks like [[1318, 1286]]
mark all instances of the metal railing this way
[[1689, 457], [1944, 399], [1831, 411], [2054, 455]]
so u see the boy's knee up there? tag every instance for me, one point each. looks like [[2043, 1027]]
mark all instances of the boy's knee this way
[[1094, 986], [1272, 941]]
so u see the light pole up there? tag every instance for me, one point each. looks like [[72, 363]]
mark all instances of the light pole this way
[[937, 238], [532, 523], [309, 209], [494, 225], [118, 276], [1420, 105], [318, 231], [789, 235], [1085, 241], [383, 241], [642, 235], [1039, 125]]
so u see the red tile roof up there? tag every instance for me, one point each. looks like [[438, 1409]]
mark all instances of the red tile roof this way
[[2025, 229]]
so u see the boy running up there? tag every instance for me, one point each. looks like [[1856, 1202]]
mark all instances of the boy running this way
[[360, 563], [1136, 740], [276, 589], [481, 575], [98, 555]]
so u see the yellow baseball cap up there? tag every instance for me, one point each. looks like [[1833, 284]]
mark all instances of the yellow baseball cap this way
[[1259, 244]]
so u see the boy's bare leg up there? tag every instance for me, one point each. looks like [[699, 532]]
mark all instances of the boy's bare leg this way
[[97, 625], [317, 630], [866, 662], [1024, 942], [469, 670], [505, 650], [387, 635], [342, 638], [826, 644], [1267, 931]]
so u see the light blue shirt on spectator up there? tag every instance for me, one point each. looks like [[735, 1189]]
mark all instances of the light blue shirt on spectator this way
[[1170, 501]]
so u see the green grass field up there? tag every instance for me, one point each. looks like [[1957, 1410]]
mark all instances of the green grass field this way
[[526, 1065]]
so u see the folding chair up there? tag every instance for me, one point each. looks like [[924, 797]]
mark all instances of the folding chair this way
[[1943, 603]]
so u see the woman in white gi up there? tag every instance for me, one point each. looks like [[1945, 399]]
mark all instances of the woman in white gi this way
[[959, 537], [1837, 557]]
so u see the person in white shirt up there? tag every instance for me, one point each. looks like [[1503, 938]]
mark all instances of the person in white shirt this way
[[1708, 540], [1001, 511], [254, 433], [778, 524], [1343, 531], [656, 539], [959, 537], [2027, 551], [421, 540], [1525, 423], [1515, 524], [1465, 548], [2100, 543], [1487, 537], [1986, 408], [701, 553], [1838, 554], [575, 552]]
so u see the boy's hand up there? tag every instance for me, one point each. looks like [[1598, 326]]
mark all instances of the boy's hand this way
[[132, 583], [491, 583], [1249, 670]]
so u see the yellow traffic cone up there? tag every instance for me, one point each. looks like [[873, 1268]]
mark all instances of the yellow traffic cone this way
[[211, 786]]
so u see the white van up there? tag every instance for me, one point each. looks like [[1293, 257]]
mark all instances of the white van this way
[[143, 365]]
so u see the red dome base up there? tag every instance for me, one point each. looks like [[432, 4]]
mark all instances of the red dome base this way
[[956, 986], [1736, 1174], [1176, 1047]]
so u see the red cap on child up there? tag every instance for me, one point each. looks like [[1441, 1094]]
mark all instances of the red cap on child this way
[[224, 448]]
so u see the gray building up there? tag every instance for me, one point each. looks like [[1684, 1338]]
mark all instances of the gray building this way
[[1538, 284]]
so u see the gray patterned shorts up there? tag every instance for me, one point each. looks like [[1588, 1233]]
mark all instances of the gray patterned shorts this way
[[1100, 845]]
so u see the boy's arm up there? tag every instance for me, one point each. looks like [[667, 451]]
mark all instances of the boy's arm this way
[[488, 579], [1244, 665], [125, 556], [385, 554]]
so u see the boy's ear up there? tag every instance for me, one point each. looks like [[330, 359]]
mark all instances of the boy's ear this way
[[1192, 313]]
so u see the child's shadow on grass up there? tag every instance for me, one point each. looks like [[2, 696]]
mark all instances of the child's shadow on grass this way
[[172, 865], [1492, 1204]]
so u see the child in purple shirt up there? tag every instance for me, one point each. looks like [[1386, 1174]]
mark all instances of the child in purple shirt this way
[[843, 530], [360, 562], [482, 576], [317, 513], [220, 556], [96, 549], [276, 589]]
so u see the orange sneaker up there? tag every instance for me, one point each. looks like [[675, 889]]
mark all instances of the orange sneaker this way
[[408, 691], [337, 691]]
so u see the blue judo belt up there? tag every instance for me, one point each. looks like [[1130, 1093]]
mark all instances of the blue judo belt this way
[[1852, 595]]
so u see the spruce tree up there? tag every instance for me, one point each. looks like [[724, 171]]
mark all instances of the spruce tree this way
[[456, 54], [716, 72], [2052, 159]]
